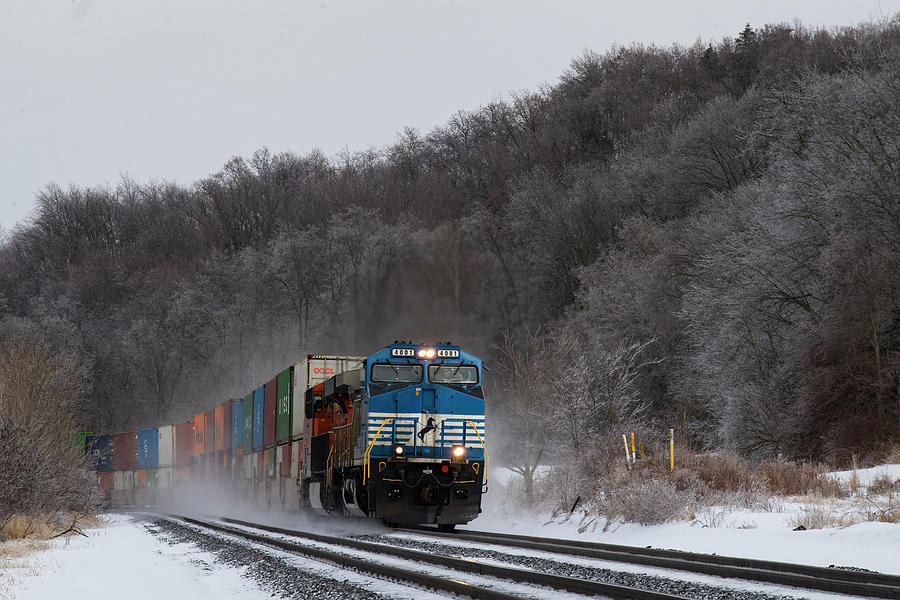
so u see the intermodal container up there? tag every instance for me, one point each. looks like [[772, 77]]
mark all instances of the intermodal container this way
[[284, 467], [226, 425], [100, 449], [125, 451], [271, 455], [285, 405], [81, 441], [219, 413], [259, 417], [237, 425], [248, 423], [166, 442], [148, 449], [314, 370], [271, 412], [199, 435], [211, 431], [106, 480], [184, 443]]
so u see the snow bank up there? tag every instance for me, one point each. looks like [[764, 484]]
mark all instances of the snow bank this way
[[123, 560], [766, 535]]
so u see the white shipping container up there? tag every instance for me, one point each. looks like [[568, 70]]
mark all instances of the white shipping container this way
[[165, 477], [119, 480], [166, 445], [314, 370]]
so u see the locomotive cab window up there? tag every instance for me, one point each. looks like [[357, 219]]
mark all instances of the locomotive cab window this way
[[397, 373], [459, 374]]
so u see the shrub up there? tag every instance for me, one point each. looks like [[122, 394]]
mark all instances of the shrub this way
[[43, 474], [723, 472], [789, 478]]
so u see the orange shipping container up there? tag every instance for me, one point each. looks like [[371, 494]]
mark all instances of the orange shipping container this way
[[199, 435], [220, 427]]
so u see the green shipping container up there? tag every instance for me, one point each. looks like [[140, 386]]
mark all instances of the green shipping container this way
[[285, 403], [82, 436], [248, 423], [153, 478], [271, 470]]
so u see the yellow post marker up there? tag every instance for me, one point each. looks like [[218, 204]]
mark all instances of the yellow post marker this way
[[641, 447], [671, 449], [633, 454]]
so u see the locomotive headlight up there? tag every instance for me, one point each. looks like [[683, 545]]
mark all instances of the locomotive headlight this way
[[398, 450], [427, 353], [459, 451]]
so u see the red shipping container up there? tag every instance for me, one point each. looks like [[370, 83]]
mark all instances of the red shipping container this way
[[199, 435], [211, 432], [271, 413], [226, 437], [286, 460], [184, 443], [125, 451], [107, 480]]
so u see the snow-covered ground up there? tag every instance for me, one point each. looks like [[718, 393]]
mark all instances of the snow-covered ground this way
[[763, 534], [124, 559], [121, 560]]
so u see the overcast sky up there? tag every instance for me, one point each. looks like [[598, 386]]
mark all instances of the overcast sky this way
[[171, 89]]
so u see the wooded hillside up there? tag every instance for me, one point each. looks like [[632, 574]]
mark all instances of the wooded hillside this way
[[705, 237]]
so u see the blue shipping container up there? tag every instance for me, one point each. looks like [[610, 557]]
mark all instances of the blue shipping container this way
[[100, 449], [259, 417], [237, 425], [148, 448]]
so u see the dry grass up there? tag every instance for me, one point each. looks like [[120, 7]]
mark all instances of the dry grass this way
[[26, 528], [46, 527], [722, 472], [18, 549], [820, 517]]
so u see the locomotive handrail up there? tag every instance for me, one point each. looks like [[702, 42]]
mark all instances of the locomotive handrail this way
[[368, 452], [486, 458]]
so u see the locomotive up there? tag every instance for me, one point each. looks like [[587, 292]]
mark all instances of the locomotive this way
[[398, 435], [400, 438]]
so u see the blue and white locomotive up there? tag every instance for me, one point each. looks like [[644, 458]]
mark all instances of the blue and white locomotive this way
[[400, 438]]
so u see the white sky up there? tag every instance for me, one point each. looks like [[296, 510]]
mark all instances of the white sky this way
[[171, 89]]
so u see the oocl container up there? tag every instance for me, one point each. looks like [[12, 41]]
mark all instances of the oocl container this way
[[315, 369]]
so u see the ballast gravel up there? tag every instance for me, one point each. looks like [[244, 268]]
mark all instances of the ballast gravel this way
[[647, 582], [270, 572]]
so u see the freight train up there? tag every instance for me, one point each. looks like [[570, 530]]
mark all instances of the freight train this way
[[398, 435]]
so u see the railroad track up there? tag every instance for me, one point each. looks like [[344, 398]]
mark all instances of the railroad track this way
[[451, 584], [856, 583]]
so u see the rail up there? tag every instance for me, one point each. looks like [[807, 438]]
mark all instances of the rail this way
[[875, 585]]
